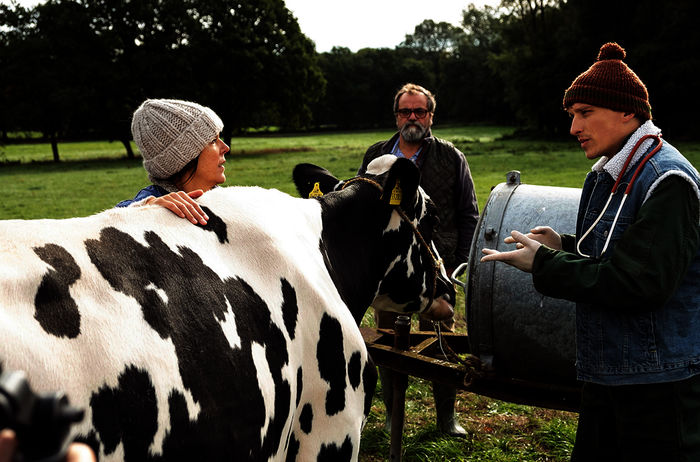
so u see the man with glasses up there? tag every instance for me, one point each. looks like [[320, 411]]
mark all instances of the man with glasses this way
[[445, 176]]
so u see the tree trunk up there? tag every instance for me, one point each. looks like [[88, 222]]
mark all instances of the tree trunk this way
[[54, 148], [129, 152]]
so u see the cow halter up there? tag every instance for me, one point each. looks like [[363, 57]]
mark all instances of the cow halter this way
[[437, 262]]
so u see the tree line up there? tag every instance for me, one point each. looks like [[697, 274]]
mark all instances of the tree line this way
[[78, 68]]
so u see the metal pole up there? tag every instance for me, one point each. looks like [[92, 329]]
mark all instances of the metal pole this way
[[402, 341]]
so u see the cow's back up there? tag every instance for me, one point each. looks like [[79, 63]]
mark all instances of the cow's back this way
[[224, 341]]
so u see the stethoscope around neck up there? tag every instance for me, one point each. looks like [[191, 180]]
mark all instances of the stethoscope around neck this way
[[627, 191]]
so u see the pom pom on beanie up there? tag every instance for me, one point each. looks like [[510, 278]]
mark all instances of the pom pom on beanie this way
[[170, 133], [609, 83], [611, 50]]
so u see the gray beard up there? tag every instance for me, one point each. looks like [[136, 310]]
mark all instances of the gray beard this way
[[412, 133]]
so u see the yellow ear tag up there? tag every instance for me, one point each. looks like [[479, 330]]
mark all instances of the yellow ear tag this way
[[396, 195], [316, 192]]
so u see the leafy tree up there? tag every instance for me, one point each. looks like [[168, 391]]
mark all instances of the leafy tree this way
[[545, 44], [251, 63], [437, 45], [87, 64], [10, 19], [529, 62], [361, 86], [144, 44], [51, 67], [661, 45], [475, 90], [432, 37]]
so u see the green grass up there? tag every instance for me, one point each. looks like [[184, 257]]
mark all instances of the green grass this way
[[496, 430], [94, 176], [70, 151]]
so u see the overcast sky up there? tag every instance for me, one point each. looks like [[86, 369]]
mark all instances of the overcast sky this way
[[356, 24], [359, 24]]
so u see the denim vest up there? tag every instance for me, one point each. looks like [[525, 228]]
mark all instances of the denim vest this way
[[647, 346]]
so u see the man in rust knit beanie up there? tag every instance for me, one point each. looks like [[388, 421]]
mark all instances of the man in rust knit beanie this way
[[609, 83], [632, 268]]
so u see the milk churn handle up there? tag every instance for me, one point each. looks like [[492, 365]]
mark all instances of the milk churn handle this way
[[457, 272]]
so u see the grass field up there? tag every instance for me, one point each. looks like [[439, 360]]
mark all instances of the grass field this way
[[93, 176]]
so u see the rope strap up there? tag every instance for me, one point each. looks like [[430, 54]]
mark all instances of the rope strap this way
[[437, 262], [474, 367], [366, 180]]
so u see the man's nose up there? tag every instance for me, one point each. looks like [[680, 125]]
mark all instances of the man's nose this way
[[575, 126]]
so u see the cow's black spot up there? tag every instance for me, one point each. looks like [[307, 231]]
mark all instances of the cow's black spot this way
[[126, 414], [183, 428], [293, 449], [290, 309], [215, 225], [306, 418], [331, 363], [355, 369], [56, 310], [369, 381], [300, 385], [333, 453], [222, 380]]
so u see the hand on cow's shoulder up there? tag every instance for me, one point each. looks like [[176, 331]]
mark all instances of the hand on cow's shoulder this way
[[77, 452], [182, 204]]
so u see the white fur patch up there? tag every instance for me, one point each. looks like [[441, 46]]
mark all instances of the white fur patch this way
[[228, 326], [267, 385], [161, 293]]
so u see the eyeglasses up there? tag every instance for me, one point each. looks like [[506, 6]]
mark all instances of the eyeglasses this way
[[406, 113]]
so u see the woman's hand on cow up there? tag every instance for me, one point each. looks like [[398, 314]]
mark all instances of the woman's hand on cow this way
[[183, 205], [542, 234], [8, 445], [522, 258], [77, 452]]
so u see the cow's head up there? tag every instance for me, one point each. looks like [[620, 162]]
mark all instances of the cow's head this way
[[377, 238]]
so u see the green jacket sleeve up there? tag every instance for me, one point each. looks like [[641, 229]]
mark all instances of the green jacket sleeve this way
[[568, 243], [647, 265]]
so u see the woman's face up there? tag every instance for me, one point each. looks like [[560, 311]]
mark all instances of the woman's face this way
[[210, 167]]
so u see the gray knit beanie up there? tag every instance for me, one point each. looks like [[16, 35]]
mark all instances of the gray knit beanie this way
[[170, 133]]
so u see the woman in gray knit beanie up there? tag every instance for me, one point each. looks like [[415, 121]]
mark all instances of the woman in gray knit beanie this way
[[182, 153]]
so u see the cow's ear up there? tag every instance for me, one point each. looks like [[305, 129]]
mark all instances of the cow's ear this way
[[313, 181], [401, 183]]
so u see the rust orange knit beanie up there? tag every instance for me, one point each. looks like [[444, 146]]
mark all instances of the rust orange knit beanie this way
[[609, 83]]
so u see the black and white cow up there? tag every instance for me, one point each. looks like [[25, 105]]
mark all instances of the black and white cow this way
[[233, 341]]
